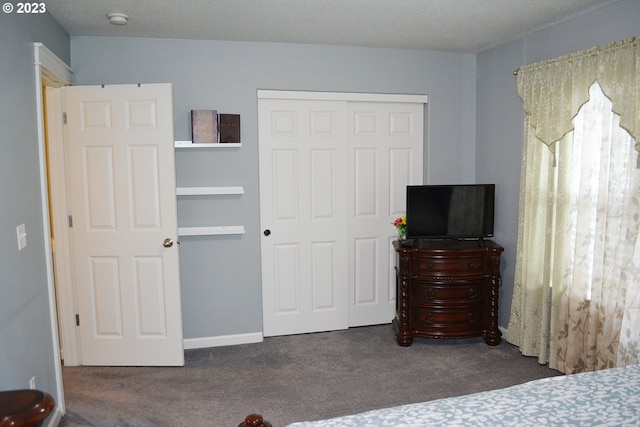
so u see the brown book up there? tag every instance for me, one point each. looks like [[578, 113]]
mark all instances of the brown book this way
[[204, 126], [229, 128]]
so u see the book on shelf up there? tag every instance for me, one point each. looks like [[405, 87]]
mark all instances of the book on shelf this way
[[204, 126], [229, 128]]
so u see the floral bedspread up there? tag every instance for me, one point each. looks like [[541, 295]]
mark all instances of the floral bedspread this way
[[602, 398]]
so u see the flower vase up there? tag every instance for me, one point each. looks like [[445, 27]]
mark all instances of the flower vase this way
[[401, 227]]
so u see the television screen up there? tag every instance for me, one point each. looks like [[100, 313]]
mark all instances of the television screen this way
[[450, 211]]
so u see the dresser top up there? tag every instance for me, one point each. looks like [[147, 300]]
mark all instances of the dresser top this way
[[444, 244]]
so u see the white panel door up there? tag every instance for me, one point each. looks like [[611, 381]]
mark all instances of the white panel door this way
[[303, 209], [121, 175], [385, 155]]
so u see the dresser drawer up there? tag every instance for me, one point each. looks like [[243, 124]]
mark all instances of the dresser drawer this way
[[461, 321], [448, 266], [446, 294]]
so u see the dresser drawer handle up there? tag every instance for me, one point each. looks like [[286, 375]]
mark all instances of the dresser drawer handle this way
[[472, 293], [471, 266], [431, 294]]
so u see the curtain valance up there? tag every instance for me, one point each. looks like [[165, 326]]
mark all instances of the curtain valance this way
[[567, 79]]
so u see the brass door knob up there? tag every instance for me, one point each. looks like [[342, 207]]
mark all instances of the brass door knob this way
[[167, 243]]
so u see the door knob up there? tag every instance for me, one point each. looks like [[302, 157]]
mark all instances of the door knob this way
[[167, 243], [266, 232]]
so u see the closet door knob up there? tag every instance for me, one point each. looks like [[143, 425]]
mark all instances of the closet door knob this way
[[266, 232]]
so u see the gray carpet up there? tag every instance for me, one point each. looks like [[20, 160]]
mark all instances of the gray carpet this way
[[292, 378]]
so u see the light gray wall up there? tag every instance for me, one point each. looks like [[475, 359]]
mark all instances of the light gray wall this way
[[500, 119], [221, 279], [26, 345]]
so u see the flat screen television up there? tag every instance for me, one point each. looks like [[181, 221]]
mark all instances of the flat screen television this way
[[450, 211]]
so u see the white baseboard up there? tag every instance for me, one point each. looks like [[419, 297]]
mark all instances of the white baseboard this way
[[205, 342], [503, 330]]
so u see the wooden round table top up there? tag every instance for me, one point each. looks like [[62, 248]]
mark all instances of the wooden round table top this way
[[24, 408]]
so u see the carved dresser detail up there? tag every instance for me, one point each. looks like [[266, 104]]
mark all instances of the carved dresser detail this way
[[447, 289]]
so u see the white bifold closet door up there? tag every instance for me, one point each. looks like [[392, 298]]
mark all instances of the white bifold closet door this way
[[333, 174]]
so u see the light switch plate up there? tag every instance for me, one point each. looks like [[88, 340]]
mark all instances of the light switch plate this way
[[22, 236]]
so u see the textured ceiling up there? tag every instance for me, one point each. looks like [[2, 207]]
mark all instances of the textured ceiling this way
[[464, 26]]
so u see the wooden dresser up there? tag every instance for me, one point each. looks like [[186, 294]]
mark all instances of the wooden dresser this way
[[447, 289]]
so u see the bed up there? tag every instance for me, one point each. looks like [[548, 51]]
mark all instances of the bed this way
[[601, 398]]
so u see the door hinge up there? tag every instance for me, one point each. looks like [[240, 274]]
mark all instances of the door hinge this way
[[77, 320], [70, 221], [64, 118]]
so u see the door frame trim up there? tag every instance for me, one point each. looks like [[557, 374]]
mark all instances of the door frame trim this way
[[63, 285], [342, 96], [52, 70]]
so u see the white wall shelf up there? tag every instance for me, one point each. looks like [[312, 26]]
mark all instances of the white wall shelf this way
[[189, 144], [210, 231], [208, 191]]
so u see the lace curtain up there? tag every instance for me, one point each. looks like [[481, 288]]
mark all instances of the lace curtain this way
[[576, 302], [553, 91]]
